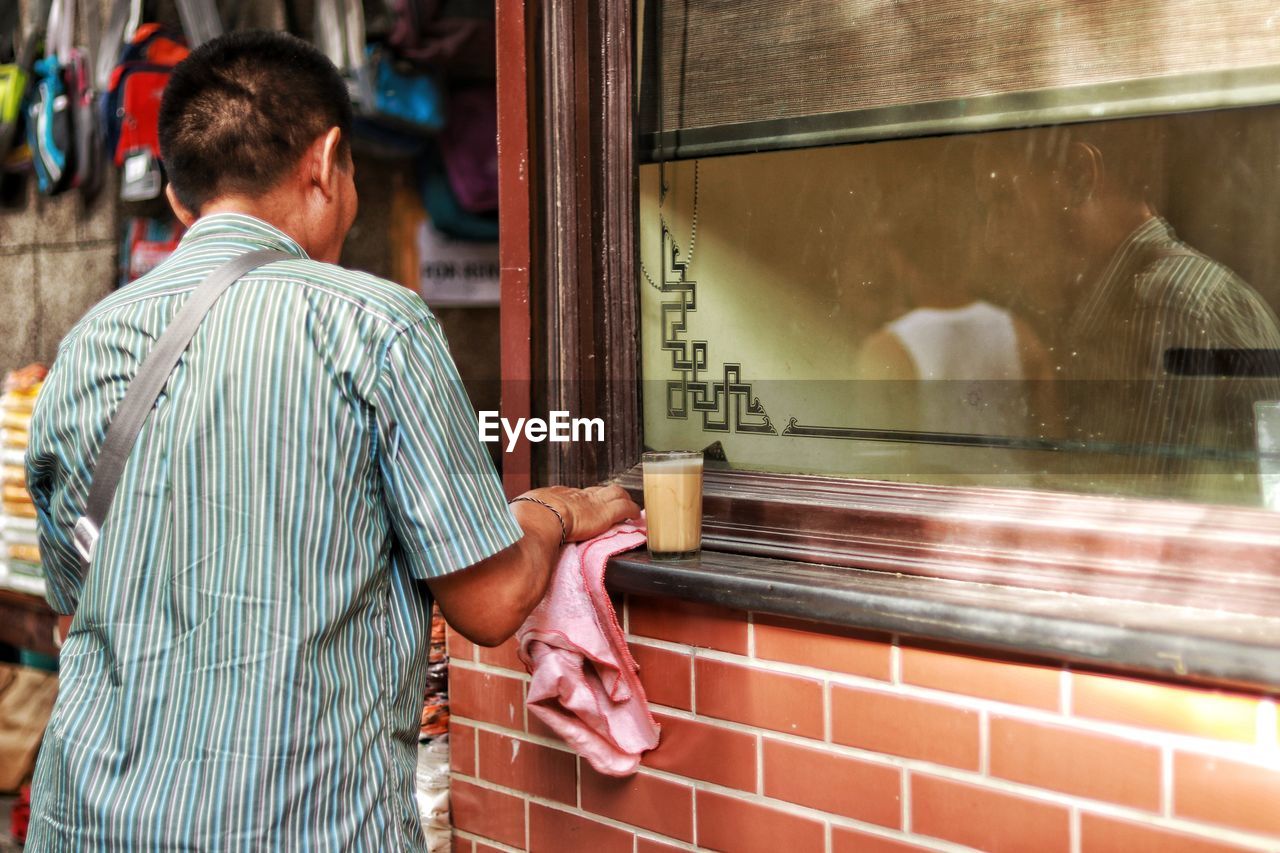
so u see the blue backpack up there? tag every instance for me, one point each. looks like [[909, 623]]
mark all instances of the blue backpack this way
[[49, 131], [404, 99]]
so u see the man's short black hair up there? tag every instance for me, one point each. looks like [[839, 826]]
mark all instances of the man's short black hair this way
[[240, 111]]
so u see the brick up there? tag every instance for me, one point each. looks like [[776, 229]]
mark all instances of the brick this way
[[898, 725], [462, 845], [503, 656], [485, 696], [458, 646], [822, 646], [640, 800], [1172, 708], [988, 820], [491, 814], [535, 726], [755, 697], [1225, 792], [487, 848], [1100, 834], [667, 676], [1018, 683], [1088, 765], [648, 845], [688, 622], [833, 783], [703, 751], [849, 841], [726, 823], [555, 831], [528, 766], [462, 748]]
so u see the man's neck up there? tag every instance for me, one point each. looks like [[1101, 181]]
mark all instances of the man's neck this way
[[1109, 230], [271, 210]]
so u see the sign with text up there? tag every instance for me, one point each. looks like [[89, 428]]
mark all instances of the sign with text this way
[[456, 272]]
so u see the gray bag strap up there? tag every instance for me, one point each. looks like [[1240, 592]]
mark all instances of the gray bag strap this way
[[200, 21], [145, 388], [124, 15]]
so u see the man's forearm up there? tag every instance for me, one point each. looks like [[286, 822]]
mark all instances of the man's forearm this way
[[539, 550], [489, 601]]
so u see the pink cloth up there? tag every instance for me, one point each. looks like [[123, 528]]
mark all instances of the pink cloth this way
[[584, 679]]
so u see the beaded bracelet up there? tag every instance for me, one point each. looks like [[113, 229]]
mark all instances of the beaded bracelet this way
[[564, 531]]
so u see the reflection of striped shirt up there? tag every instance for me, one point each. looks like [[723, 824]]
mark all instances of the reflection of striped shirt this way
[[1155, 295], [246, 665]]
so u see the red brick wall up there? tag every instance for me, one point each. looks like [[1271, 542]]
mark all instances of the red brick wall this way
[[784, 736]]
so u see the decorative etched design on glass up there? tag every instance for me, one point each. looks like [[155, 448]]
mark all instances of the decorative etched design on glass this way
[[726, 404]]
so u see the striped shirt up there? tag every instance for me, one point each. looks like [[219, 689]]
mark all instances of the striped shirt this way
[[1158, 295], [246, 666]]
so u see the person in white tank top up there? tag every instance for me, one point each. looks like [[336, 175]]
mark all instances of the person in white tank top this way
[[971, 367], [962, 365], [967, 369]]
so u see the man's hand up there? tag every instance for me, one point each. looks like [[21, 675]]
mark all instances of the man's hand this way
[[487, 602], [588, 512]]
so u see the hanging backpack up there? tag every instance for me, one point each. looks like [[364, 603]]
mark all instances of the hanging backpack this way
[[86, 123], [13, 78], [86, 119], [469, 147], [441, 203], [133, 66], [13, 85], [404, 100], [131, 108], [49, 113], [145, 244]]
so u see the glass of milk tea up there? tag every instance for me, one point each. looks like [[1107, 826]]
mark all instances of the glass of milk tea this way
[[673, 503]]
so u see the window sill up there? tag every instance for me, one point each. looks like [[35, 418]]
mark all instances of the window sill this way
[[1095, 546], [1183, 643]]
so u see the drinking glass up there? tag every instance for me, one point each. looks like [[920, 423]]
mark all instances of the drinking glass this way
[[673, 503]]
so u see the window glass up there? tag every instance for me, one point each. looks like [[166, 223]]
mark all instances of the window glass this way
[[1089, 307]]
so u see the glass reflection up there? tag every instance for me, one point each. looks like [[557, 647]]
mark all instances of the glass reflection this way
[[1063, 307]]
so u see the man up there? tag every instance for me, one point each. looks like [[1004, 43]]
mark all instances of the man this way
[[245, 668], [1149, 311]]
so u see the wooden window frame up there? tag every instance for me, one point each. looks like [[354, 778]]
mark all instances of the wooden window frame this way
[[571, 333]]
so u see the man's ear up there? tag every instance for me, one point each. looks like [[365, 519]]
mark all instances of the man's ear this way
[[1084, 172], [185, 215], [328, 159]]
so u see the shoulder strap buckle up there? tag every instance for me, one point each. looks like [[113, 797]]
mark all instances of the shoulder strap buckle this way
[[85, 536]]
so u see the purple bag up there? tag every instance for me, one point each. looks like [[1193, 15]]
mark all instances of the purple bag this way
[[453, 38], [469, 147]]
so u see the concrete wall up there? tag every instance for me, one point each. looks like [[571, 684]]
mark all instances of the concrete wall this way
[[57, 258]]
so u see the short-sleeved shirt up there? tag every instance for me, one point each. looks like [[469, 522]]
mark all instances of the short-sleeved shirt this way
[[245, 669], [1155, 297]]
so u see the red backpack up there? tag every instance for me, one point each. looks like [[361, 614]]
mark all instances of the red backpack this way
[[131, 108]]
